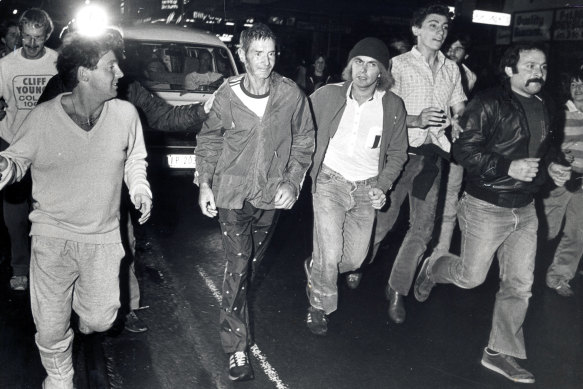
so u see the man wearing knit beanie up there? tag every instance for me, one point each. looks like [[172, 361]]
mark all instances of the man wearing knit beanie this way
[[430, 85], [360, 152]]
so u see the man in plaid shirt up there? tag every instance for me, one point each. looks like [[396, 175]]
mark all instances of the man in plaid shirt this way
[[430, 85]]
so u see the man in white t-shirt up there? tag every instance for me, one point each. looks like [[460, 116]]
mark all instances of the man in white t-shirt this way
[[23, 76]]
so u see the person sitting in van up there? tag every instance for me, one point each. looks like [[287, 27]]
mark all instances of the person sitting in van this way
[[205, 75]]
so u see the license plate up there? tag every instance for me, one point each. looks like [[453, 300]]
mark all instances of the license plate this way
[[181, 161]]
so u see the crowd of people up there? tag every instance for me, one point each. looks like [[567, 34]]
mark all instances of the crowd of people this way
[[404, 123]]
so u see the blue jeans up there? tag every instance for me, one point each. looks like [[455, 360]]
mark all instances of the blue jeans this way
[[421, 222], [511, 233], [562, 204], [343, 221], [452, 195]]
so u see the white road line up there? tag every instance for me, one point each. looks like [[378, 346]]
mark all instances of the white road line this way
[[269, 371]]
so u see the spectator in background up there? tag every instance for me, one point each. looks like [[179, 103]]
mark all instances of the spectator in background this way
[[565, 203], [204, 75], [457, 51], [10, 36], [398, 45], [23, 76], [316, 76]]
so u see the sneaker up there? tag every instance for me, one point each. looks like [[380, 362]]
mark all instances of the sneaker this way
[[353, 279], [239, 367], [134, 324], [423, 283], [507, 366], [317, 321], [19, 283], [308, 270]]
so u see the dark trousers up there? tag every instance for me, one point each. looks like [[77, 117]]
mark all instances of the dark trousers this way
[[246, 234], [16, 207]]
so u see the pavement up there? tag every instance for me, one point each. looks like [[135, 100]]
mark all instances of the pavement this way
[[180, 266]]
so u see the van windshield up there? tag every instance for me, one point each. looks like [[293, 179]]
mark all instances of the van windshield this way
[[166, 66]]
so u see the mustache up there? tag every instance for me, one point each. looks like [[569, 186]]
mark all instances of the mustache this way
[[533, 80]]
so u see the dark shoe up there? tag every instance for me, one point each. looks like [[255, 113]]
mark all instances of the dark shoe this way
[[353, 279], [397, 311], [19, 283], [423, 283], [134, 323], [239, 367], [308, 271], [564, 290], [507, 366], [317, 321]]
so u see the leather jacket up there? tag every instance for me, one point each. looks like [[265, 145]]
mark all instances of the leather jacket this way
[[496, 133]]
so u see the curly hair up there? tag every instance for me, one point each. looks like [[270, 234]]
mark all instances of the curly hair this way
[[421, 14], [385, 81], [259, 31], [83, 51], [36, 18]]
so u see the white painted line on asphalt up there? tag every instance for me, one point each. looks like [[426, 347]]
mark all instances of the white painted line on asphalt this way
[[209, 283], [270, 372]]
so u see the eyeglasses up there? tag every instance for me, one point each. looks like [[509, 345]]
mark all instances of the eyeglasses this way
[[577, 85]]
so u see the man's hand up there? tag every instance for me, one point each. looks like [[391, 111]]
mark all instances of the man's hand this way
[[559, 173], [3, 107], [3, 163], [377, 197], [524, 169], [143, 203], [430, 117], [206, 201], [456, 129], [285, 196]]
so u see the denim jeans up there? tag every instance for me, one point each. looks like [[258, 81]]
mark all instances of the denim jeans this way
[[64, 275], [246, 234], [421, 222], [343, 221], [511, 233], [563, 204], [448, 218]]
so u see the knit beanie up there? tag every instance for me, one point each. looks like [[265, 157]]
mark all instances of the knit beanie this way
[[371, 47]]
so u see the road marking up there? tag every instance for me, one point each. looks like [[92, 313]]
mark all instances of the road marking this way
[[269, 371]]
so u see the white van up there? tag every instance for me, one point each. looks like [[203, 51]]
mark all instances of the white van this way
[[161, 57]]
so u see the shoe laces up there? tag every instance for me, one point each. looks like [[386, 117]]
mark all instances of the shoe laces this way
[[239, 358]]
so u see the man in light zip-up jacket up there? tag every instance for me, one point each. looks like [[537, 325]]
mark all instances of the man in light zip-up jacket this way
[[252, 155]]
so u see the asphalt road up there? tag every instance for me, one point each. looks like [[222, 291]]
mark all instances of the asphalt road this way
[[439, 345], [180, 263]]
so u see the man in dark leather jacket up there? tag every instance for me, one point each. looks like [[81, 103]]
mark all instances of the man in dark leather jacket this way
[[504, 151]]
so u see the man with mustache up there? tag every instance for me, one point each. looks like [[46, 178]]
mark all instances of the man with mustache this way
[[504, 151], [23, 76]]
